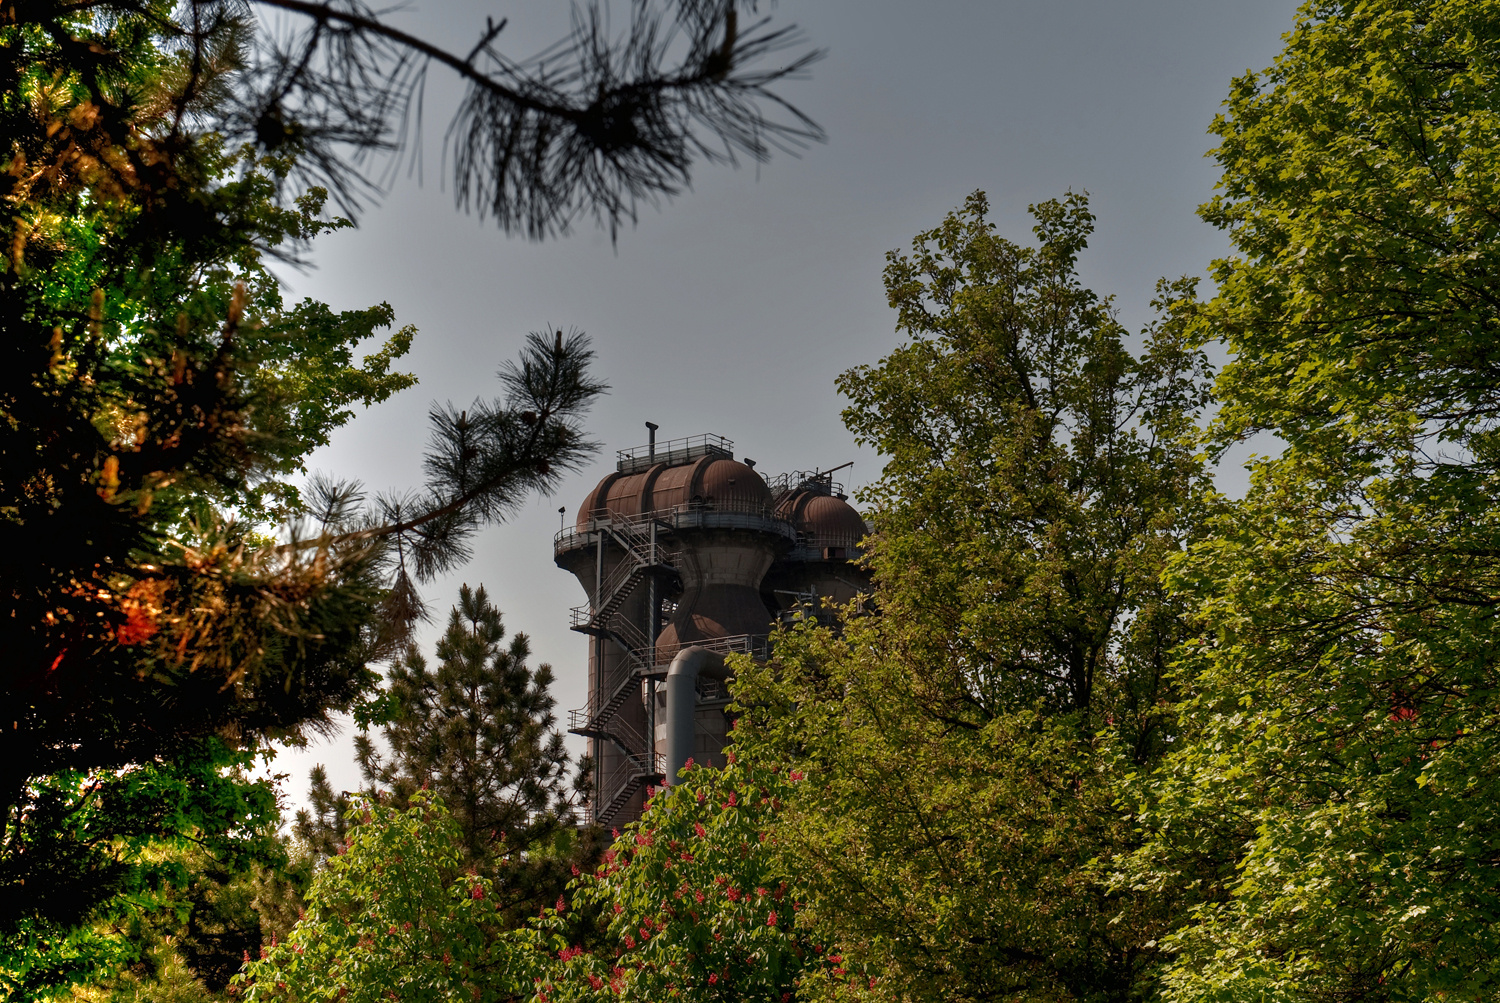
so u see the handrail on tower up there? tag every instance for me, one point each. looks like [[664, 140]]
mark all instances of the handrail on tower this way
[[673, 453]]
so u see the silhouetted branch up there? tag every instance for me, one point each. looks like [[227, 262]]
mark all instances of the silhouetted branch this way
[[593, 125]]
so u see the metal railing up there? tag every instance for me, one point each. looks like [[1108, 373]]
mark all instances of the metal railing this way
[[673, 453], [622, 781], [603, 705], [617, 729], [804, 480], [814, 547], [598, 715], [630, 635], [731, 514], [754, 645]]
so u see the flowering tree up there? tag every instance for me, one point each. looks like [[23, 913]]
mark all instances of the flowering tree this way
[[394, 916], [693, 905], [689, 904]]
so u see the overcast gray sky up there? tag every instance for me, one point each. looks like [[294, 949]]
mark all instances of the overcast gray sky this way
[[733, 308]]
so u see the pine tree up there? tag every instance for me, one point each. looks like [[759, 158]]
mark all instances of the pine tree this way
[[323, 828], [478, 731]]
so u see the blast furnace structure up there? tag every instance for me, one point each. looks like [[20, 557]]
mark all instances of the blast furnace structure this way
[[686, 555]]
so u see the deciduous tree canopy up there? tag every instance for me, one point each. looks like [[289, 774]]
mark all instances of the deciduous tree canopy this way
[[1333, 796], [967, 736]]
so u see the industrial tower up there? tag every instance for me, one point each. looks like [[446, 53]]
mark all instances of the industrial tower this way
[[686, 555]]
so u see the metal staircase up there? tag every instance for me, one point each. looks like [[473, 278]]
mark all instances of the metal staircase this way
[[642, 561], [631, 773]]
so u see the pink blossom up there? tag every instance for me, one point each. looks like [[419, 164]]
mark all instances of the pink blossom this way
[[477, 893], [771, 920]]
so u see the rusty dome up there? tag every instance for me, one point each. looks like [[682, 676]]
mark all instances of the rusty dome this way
[[711, 481], [825, 521]]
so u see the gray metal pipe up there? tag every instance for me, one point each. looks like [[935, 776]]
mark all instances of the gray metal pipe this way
[[682, 704]]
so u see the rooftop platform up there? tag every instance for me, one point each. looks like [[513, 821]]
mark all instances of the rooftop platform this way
[[673, 453]]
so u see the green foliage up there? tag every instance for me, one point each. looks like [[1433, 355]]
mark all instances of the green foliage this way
[[396, 915], [1331, 806], [153, 378], [966, 741], [692, 904], [122, 851], [1035, 472], [159, 975], [323, 826], [155, 394], [188, 947]]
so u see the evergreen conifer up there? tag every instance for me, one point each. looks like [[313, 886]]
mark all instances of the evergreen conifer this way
[[478, 730]]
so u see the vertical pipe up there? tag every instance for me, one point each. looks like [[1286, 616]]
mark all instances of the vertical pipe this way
[[651, 442], [682, 705]]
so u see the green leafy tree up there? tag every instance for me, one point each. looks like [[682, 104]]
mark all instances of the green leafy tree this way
[[965, 741], [396, 914], [157, 393], [692, 903], [210, 917], [1331, 803], [154, 837]]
